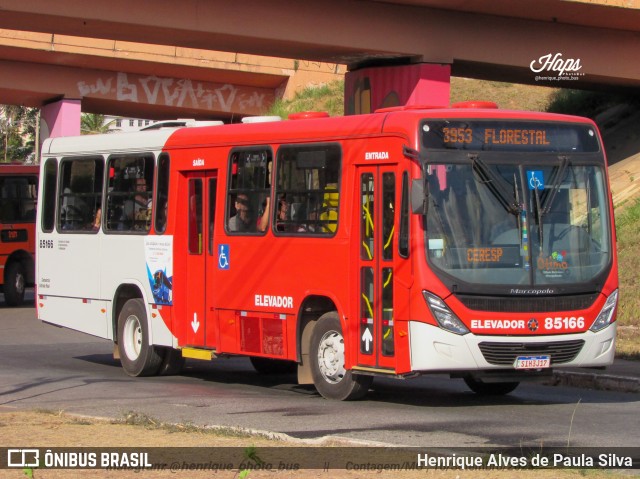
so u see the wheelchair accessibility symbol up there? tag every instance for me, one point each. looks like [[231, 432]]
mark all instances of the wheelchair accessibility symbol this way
[[223, 256], [535, 178]]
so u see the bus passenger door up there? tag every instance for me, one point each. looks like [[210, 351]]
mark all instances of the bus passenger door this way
[[377, 207], [201, 325]]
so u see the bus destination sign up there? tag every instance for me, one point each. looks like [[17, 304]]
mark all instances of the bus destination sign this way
[[509, 136]]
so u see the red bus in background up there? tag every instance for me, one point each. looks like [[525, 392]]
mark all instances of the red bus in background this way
[[18, 201], [469, 241]]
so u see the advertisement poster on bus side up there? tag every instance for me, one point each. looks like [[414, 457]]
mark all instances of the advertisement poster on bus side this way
[[158, 252]]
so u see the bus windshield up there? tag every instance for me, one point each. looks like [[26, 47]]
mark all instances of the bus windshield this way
[[517, 222]]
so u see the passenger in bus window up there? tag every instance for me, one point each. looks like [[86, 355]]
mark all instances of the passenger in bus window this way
[[283, 218], [161, 215], [142, 198], [97, 220], [263, 215], [73, 211], [242, 221], [136, 211]]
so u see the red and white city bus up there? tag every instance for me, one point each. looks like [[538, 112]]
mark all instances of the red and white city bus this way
[[470, 241], [18, 198]]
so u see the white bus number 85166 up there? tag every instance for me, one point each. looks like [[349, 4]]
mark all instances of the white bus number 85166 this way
[[564, 323]]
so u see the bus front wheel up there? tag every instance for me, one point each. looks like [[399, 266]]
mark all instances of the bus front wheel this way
[[137, 356], [14, 284], [330, 377]]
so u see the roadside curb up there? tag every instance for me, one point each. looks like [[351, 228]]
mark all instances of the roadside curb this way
[[605, 382]]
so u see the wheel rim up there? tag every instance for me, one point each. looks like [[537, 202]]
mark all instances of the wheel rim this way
[[19, 283], [132, 337], [331, 357]]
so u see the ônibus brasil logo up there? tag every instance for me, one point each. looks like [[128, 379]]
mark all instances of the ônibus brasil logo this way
[[564, 68]]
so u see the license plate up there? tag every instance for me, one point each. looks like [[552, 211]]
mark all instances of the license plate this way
[[532, 362]]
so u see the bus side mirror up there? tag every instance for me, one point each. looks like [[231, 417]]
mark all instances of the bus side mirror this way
[[418, 199]]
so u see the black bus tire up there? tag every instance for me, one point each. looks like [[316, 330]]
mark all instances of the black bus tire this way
[[14, 284], [172, 362], [490, 389], [326, 356], [137, 356]]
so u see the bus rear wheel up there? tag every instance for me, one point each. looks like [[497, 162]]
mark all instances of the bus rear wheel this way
[[14, 284], [137, 356], [330, 377], [490, 389], [172, 362]]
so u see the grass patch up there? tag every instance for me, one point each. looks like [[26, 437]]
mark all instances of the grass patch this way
[[588, 103], [133, 418], [508, 96], [628, 233], [50, 412], [328, 97]]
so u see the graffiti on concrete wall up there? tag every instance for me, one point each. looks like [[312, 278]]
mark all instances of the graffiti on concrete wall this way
[[178, 92]]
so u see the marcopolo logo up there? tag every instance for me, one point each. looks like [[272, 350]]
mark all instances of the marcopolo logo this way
[[556, 67]]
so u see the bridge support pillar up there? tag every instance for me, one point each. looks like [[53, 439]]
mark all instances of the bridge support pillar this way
[[61, 118], [369, 89]]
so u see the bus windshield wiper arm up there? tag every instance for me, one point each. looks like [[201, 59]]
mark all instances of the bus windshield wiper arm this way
[[539, 214], [496, 185], [555, 185], [542, 210]]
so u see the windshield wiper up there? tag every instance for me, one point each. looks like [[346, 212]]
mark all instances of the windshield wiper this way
[[542, 210], [539, 214], [496, 184], [555, 184]]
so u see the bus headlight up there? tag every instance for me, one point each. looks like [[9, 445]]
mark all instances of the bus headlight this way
[[444, 316], [606, 314]]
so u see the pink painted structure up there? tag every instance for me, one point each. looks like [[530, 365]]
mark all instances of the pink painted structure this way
[[370, 89], [61, 118]]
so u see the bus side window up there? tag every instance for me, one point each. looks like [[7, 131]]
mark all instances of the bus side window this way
[[249, 191], [29, 199], [162, 193], [403, 239], [307, 189], [18, 199], [49, 195], [8, 200], [80, 193], [129, 193]]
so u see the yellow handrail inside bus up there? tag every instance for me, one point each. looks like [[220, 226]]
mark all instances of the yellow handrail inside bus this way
[[366, 300], [368, 250], [386, 245]]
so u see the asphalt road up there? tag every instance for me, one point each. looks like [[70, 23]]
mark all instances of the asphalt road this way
[[45, 367]]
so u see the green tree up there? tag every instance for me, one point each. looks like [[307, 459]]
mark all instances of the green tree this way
[[17, 128], [93, 124]]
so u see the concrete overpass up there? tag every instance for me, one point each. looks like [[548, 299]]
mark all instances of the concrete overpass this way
[[495, 39], [528, 41], [147, 81]]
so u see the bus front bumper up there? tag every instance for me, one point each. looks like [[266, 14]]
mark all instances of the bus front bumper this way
[[433, 349]]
